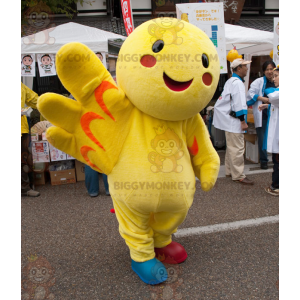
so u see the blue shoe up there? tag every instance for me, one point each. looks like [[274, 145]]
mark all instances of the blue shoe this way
[[151, 271]]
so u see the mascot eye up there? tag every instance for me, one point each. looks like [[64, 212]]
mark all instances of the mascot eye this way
[[158, 46], [205, 61], [161, 144], [33, 272], [33, 16], [44, 272], [171, 144]]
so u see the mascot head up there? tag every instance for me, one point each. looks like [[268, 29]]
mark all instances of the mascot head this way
[[168, 72]]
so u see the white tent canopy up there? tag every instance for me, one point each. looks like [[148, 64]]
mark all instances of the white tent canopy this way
[[248, 40], [95, 39]]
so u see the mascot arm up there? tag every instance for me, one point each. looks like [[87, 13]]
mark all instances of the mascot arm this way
[[93, 128], [205, 160]]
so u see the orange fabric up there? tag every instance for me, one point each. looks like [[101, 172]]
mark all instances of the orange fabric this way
[[194, 149], [85, 121], [84, 152], [104, 86]]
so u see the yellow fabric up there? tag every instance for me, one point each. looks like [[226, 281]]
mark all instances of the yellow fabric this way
[[29, 98], [143, 231], [42, 118], [149, 139]]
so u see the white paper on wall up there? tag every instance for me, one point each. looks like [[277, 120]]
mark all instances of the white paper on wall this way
[[40, 151], [69, 157], [46, 63], [28, 65], [276, 42], [57, 155]]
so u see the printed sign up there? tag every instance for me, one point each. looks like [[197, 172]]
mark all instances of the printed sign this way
[[40, 152], [233, 9], [28, 65], [57, 155], [46, 63], [127, 16], [69, 156], [276, 42], [209, 17]]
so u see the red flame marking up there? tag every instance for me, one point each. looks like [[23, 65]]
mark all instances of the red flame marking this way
[[84, 151], [104, 86], [85, 121], [194, 149]]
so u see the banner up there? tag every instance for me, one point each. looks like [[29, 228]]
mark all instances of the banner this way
[[127, 16], [276, 42], [46, 63], [28, 65], [209, 17]]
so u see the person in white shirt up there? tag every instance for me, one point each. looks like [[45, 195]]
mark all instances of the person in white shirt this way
[[230, 115], [271, 140], [255, 97]]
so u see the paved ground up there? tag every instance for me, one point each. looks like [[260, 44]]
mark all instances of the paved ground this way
[[79, 238]]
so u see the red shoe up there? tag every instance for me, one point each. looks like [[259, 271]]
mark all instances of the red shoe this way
[[174, 253]]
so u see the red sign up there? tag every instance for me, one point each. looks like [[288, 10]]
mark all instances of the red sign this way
[[39, 148], [127, 16]]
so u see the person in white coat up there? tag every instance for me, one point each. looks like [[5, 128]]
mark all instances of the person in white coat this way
[[255, 97], [271, 140], [230, 115]]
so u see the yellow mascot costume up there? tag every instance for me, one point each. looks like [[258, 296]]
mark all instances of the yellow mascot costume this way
[[145, 133]]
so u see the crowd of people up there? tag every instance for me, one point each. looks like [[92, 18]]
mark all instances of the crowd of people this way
[[230, 115]]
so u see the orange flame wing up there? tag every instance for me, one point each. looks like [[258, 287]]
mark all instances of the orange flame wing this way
[[87, 118], [104, 86], [85, 121], [84, 151], [194, 149]]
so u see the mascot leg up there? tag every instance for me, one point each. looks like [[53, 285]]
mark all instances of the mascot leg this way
[[138, 235], [164, 224]]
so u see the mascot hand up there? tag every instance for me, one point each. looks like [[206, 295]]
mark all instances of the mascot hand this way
[[209, 174], [86, 128]]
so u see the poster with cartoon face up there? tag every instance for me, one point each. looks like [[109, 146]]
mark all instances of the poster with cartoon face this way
[[102, 57], [57, 155], [46, 64], [276, 42], [28, 65]]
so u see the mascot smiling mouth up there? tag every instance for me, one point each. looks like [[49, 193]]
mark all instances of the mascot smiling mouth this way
[[176, 86]]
